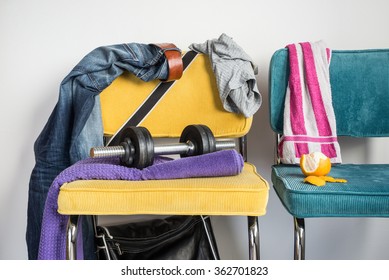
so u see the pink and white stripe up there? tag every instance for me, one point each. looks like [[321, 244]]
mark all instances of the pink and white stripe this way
[[309, 118]]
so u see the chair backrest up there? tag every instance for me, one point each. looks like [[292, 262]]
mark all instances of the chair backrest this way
[[360, 91], [193, 99]]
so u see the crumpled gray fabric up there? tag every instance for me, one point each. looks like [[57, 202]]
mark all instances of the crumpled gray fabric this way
[[234, 72]]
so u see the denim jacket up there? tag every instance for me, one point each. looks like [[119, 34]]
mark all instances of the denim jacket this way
[[75, 124]]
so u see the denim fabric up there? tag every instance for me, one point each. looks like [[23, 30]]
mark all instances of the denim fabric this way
[[75, 124]]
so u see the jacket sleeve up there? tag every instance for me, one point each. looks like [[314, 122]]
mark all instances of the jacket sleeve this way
[[75, 124]]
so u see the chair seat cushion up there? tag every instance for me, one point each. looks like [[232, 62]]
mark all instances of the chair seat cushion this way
[[366, 194], [245, 194]]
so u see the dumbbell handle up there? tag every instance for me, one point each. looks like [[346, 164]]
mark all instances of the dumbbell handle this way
[[161, 149]]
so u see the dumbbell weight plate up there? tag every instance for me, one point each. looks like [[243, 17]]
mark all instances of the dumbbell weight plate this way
[[211, 139], [143, 146], [128, 158], [201, 137]]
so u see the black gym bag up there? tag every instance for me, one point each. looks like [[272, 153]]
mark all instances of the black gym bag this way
[[171, 238]]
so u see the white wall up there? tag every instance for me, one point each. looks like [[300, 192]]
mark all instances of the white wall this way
[[41, 41]]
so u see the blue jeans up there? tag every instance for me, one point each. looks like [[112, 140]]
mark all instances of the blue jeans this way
[[75, 124]]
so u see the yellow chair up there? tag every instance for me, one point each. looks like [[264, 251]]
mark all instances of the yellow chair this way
[[193, 99]]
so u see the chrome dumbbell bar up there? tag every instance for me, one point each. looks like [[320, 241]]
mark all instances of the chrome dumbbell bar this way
[[137, 147], [160, 149]]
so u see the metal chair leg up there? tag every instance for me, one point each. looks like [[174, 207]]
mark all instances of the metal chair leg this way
[[299, 239], [71, 238], [253, 229], [210, 235]]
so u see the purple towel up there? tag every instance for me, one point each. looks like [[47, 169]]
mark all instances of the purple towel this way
[[53, 235]]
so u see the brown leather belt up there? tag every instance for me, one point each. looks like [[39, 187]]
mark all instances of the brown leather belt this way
[[174, 60]]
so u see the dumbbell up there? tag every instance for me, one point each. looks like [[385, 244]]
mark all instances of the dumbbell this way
[[137, 148]]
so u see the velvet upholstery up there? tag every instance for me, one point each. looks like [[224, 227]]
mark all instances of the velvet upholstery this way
[[360, 96], [187, 196], [360, 91], [193, 99], [366, 194], [196, 91]]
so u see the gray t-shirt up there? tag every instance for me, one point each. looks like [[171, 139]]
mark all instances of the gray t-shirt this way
[[234, 72]]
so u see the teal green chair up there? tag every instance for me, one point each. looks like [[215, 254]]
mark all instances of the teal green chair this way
[[360, 94]]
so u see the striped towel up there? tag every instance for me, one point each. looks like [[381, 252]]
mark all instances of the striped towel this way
[[309, 118]]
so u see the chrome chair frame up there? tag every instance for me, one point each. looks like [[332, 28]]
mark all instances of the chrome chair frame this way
[[298, 223]]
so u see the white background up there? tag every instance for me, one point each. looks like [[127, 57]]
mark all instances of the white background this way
[[41, 41]]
